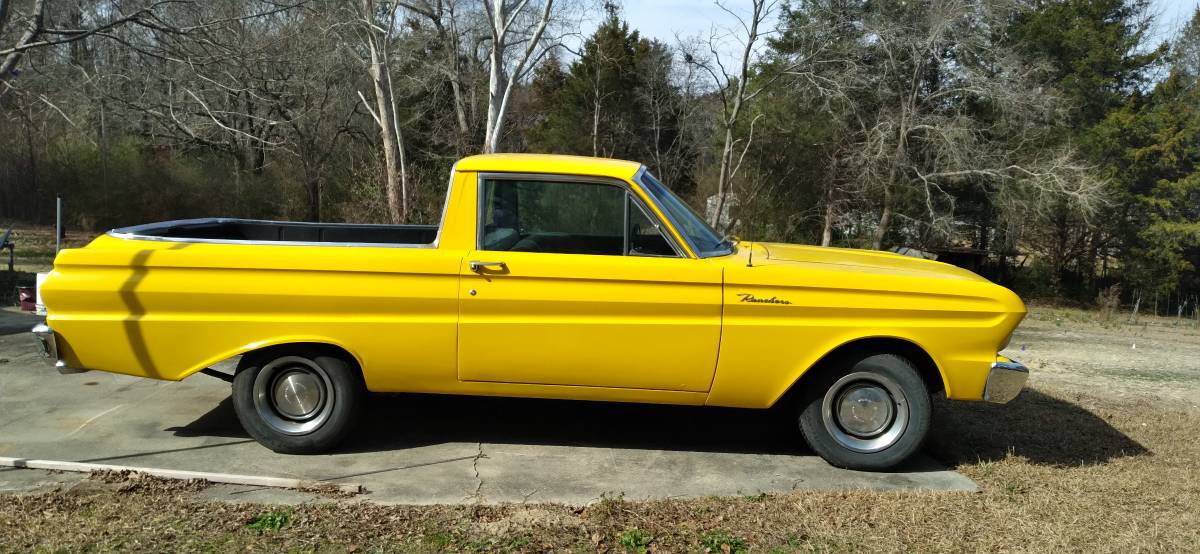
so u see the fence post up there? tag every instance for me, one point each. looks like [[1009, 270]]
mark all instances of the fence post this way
[[58, 224]]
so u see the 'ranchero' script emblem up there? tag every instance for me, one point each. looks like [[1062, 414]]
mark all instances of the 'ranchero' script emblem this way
[[747, 297]]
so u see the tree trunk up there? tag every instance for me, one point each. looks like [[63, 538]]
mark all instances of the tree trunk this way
[[385, 118], [390, 162], [31, 33], [497, 82], [885, 218], [460, 110], [500, 81], [723, 184], [313, 186], [827, 228], [596, 125]]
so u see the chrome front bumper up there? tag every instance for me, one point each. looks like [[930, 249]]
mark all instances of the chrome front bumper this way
[[48, 342], [1005, 381]]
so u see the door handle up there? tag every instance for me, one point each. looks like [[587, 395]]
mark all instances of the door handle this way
[[479, 267]]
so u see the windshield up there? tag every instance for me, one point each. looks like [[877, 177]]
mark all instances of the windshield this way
[[703, 239]]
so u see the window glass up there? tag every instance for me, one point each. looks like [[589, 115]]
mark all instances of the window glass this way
[[553, 217], [704, 239], [645, 236]]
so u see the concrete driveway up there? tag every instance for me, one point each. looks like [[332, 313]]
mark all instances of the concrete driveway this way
[[420, 449]]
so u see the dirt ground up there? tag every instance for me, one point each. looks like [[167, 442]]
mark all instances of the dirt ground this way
[[33, 252], [1099, 455], [1154, 357]]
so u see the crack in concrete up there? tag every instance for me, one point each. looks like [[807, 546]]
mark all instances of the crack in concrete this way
[[478, 494]]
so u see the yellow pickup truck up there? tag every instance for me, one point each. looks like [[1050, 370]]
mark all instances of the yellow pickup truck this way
[[549, 277]]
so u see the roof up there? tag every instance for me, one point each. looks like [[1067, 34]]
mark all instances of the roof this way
[[549, 163]]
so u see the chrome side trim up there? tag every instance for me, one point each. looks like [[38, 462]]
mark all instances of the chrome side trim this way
[[437, 239], [1005, 381]]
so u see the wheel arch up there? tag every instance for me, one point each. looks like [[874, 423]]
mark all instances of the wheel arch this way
[[327, 348], [927, 367], [264, 347]]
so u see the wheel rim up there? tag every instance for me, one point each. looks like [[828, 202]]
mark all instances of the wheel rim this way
[[293, 395], [865, 412]]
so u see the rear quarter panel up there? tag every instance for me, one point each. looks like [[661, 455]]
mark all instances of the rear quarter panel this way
[[166, 309]]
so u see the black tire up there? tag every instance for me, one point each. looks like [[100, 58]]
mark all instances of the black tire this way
[[866, 385], [340, 402]]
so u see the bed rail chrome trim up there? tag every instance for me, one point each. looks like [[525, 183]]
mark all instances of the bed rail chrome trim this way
[[133, 236], [132, 233]]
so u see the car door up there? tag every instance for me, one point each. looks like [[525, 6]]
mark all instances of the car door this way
[[573, 283]]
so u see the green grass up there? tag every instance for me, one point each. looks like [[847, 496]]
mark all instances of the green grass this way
[[721, 541], [270, 521], [635, 540]]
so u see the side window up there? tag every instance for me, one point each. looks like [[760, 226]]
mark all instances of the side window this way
[[565, 217], [645, 236], [553, 217]]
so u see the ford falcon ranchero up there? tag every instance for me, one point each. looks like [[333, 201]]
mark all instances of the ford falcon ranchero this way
[[549, 277]]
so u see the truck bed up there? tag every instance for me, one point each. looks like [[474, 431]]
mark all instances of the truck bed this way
[[258, 231]]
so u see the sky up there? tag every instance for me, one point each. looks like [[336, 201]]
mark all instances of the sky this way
[[663, 19], [1173, 15]]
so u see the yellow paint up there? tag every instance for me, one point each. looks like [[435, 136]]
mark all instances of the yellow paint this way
[[555, 325]]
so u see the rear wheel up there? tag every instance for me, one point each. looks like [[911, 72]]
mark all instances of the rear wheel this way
[[867, 412], [297, 400]]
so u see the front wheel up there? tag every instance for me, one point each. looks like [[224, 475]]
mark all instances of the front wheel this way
[[297, 400], [871, 413]]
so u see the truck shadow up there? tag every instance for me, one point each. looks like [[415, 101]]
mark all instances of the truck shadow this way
[[1041, 428], [435, 419], [399, 421]]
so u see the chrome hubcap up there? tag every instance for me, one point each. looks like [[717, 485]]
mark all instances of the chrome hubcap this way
[[293, 395], [865, 411], [297, 394]]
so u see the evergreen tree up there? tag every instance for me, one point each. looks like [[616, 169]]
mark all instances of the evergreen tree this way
[[1152, 148], [1096, 48], [615, 101]]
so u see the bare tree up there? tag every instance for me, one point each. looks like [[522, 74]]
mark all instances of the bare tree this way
[[930, 68], [9, 57], [668, 95], [150, 16], [447, 18], [517, 29], [735, 90], [378, 24]]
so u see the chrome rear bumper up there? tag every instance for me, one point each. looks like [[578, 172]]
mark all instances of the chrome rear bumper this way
[[48, 342], [1005, 381]]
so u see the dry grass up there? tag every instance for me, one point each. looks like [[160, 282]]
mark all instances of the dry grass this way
[[34, 250], [34, 253], [1059, 471]]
